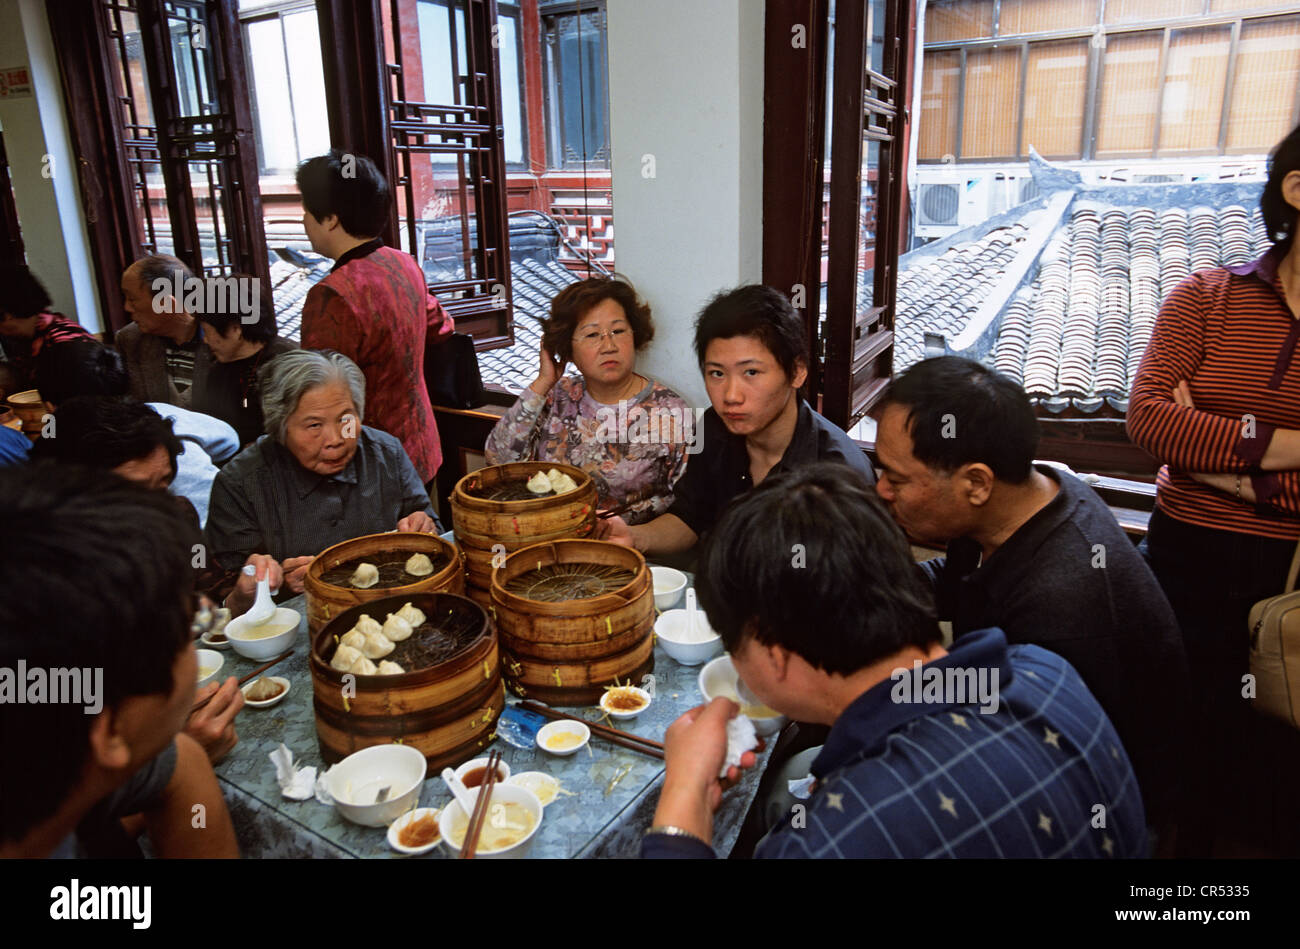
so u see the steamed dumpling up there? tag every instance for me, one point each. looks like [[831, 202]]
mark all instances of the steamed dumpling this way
[[419, 565], [561, 483], [387, 668], [412, 614], [353, 638], [344, 657], [539, 483], [396, 628], [367, 625], [365, 576], [377, 646], [363, 667]]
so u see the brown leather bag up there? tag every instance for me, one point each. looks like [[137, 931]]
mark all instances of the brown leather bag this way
[[1275, 651]]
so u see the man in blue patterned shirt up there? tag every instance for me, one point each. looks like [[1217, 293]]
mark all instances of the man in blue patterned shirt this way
[[982, 750]]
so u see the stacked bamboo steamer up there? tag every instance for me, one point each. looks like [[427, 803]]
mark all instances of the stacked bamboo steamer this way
[[29, 407], [488, 531], [566, 652]]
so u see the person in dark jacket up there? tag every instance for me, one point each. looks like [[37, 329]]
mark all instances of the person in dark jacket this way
[[1034, 551]]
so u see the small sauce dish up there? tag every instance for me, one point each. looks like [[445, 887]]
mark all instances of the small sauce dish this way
[[281, 681], [625, 701], [396, 830], [563, 738]]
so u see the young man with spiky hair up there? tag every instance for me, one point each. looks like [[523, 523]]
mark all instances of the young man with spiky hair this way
[[107, 598], [815, 594], [374, 307]]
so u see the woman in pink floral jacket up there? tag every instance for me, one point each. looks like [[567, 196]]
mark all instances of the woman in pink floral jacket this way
[[629, 433]]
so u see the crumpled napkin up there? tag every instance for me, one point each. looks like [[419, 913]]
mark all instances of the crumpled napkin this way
[[741, 738], [801, 788], [295, 784]]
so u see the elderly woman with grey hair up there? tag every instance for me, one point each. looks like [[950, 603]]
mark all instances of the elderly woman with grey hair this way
[[316, 478]]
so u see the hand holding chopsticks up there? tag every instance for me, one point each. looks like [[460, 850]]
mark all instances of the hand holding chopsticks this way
[[256, 672], [476, 820]]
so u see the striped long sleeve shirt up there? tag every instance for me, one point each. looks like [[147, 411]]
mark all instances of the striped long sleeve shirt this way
[[1229, 333]]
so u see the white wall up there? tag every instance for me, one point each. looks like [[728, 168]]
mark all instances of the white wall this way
[[47, 192], [686, 87]]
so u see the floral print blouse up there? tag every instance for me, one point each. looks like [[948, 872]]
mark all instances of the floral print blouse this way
[[634, 451]]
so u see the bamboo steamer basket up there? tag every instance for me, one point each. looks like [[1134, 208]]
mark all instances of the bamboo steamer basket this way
[[566, 652], [481, 525], [448, 711], [325, 600], [30, 409]]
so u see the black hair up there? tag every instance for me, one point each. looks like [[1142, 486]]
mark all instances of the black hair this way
[[80, 367], [349, 185], [99, 577], [101, 432], [21, 294], [758, 311], [1279, 217], [811, 560], [960, 411], [220, 308]]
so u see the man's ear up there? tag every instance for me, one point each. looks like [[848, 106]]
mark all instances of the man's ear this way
[[779, 657], [976, 483], [1291, 189], [108, 747], [800, 374], [330, 222]]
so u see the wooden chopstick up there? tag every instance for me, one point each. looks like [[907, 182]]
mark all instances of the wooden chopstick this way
[[615, 511], [647, 746], [258, 671], [476, 820]]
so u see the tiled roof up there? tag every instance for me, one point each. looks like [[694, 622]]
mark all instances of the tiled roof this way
[[1073, 331]]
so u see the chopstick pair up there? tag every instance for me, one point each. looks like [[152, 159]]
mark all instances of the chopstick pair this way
[[477, 819], [646, 746], [258, 671]]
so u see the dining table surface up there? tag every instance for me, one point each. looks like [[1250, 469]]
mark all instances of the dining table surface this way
[[608, 792]]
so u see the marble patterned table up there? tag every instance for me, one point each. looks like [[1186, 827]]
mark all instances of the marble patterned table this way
[[604, 816]]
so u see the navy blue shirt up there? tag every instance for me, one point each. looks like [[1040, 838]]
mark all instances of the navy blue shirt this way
[[14, 447], [1044, 775]]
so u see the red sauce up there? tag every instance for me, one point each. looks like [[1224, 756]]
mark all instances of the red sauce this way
[[418, 833], [474, 777]]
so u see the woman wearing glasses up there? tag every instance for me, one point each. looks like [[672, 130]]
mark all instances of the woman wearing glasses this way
[[628, 432]]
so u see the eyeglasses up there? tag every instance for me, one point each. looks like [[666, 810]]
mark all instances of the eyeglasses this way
[[595, 337]]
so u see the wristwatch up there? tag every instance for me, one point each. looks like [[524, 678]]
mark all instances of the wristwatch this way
[[668, 830]]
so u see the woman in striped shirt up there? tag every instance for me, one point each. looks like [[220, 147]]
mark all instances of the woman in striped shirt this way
[[1217, 399]]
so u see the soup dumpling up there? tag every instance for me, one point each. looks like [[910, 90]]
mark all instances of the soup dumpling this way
[[377, 646], [345, 657], [561, 483], [419, 565], [396, 628], [367, 624], [387, 668], [412, 614], [363, 667], [365, 576], [539, 483], [354, 638]]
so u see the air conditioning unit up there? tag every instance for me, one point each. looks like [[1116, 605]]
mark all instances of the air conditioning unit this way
[[937, 204]]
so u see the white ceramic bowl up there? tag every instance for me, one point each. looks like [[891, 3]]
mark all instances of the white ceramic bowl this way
[[274, 700], [719, 678], [398, 825], [357, 779], [213, 660], [545, 786], [669, 628], [626, 713], [267, 647], [505, 793], [559, 728], [503, 772], [669, 586]]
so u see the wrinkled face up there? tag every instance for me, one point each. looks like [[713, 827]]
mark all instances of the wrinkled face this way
[[923, 501], [322, 432], [225, 348], [746, 384], [153, 471], [603, 348], [138, 300]]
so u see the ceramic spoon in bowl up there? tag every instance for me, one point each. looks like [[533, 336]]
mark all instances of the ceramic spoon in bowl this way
[[458, 790], [263, 607]]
